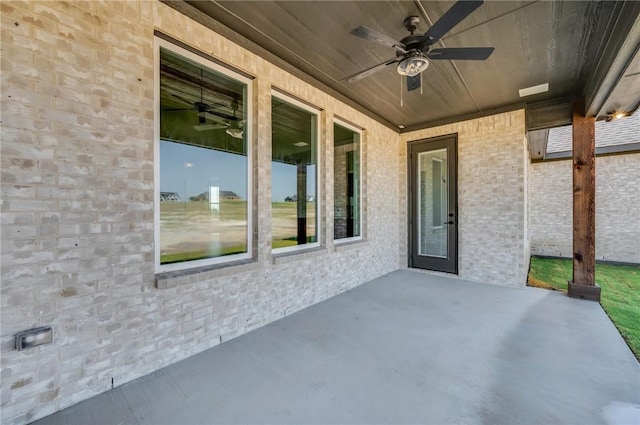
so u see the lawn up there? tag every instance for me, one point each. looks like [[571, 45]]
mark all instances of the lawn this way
[[620, 295]]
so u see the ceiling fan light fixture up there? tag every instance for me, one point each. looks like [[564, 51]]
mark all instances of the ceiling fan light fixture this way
[[235, 132], [413, 65]]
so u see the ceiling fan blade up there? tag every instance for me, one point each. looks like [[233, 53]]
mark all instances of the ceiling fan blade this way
[[182, 99], [414, 82], [450, 19], [362, 74], [219, 115], [462, 53], [204, 127], [373, 35]]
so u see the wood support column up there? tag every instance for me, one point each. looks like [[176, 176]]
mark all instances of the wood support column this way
[[583, 284]]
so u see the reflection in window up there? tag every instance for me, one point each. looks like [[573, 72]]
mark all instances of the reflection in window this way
[[433, 203], [294, 175], [346, 177], [203, 187], [437, 182]]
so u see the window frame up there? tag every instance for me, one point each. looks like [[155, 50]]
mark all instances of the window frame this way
[[319, 196], [359, 131], [228, 72]]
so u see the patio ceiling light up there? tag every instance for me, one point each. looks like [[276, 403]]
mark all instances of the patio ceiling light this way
[[612, 116]]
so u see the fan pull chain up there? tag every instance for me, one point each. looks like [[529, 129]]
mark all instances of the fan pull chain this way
[[421, 84], [401, 99]]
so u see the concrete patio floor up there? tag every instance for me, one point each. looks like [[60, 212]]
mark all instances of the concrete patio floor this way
[[408, 347]]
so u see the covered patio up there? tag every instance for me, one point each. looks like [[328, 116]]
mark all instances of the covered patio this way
[[217, 212], [408, 347]]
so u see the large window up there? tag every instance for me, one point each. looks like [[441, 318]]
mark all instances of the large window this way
[[202, 165], [294, 167], [346, 177]]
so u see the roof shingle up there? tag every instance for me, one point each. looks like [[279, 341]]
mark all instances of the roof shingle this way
[[618, 132]]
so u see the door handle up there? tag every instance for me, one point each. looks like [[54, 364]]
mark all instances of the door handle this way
[[448, 222]]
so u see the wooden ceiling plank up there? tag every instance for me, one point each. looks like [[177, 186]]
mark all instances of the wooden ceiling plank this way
[[536, 42]]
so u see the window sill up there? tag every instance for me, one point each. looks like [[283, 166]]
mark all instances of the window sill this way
[[302, 254], [346, 245], [177, 278]]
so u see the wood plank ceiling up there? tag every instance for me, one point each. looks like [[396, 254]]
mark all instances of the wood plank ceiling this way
[[536, 42]]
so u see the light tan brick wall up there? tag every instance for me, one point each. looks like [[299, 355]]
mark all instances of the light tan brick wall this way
[[77, 206], [617, 208], [492, 169]]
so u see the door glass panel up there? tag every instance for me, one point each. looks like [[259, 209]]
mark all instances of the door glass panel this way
[[433, 205]]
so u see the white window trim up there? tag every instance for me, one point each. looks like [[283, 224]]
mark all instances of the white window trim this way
[[183, 265], [315, 111], [358, 130]]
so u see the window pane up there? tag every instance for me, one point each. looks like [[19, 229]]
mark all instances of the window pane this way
[[294, 175], [433, 206], [346, 177], [203, 162], [437, 180]]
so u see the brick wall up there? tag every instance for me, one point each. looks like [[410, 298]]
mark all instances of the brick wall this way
[[77, 206], [617, 208], [492, 171], [78, 193]]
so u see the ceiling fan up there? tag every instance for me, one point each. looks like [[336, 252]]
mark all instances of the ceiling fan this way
[[205, 111], [414, 51], [234, 127]]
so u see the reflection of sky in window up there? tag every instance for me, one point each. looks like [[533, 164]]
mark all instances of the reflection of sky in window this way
[[285, 178], [190, 171]]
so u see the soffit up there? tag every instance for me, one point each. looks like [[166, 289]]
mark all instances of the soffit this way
[[536, 42]]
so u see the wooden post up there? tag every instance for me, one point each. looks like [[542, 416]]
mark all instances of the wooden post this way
[[583, 284]]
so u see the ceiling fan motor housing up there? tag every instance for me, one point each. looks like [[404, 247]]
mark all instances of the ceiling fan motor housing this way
[[412, 42], [411, 23]]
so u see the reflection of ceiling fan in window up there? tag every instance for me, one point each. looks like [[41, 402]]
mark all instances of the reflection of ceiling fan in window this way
[[206, 112], [234, 129]]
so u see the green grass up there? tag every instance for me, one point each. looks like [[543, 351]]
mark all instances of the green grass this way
[[199, 255], [620, 295]]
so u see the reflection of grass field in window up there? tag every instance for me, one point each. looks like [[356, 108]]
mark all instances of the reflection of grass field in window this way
[[620, 296], [198, 255], [192, 231], [284, 219]]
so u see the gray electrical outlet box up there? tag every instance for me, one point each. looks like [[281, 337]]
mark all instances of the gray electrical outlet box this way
[[34, 337]]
